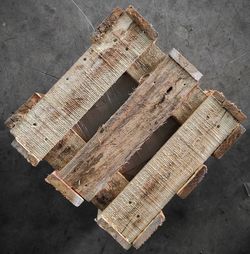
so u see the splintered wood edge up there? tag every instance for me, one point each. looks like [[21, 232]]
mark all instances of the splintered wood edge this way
[[228, 105], [185, 64], [149, 230], [22, 110], [30, 158], [108, 228], [142, 22], [108, 22], [65, 189], [192, 182], [229, 141]]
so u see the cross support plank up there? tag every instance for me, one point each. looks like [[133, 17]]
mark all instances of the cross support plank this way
[[82, 85], [150, 105], [152, 188]]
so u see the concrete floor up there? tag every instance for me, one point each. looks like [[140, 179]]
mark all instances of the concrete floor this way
[[39, 41]]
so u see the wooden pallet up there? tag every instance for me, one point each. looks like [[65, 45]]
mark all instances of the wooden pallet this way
[[48, 127]]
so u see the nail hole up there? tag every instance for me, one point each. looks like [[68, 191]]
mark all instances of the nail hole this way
[[138, 216], [35, 124], [84, 59], [126, 48], [46, 139], [115, 40], [208, 117], [218, 126], [67, 78], [86, 185], [169, 89], [130, 202]]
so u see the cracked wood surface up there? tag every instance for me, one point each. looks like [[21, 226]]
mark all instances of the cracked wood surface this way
[[150, 105], [152, 188], [80, 87]]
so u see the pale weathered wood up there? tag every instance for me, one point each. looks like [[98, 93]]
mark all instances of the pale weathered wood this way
[[123, 134], [184, 63], [152, 188], [229, 141], [66, 190], [19, 114], [116, 235], [149, 230], [228, 105], [80, 87], [192, 182]]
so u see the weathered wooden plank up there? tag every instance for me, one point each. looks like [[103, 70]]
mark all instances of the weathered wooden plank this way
[[162, 177], [123, 134], [149, 230], [66, 190], [110, 192], [192, 182], [19, 114], [80, 87], [229, 141], [184, 63], [65, 150], [116, 235], [228, 105], [148, 61]]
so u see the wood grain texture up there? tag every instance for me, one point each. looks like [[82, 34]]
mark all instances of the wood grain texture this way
[[66, 190], [228, 105], [149, 230], [152, 188], [65, 150], [147, 63], [192, 182], [19, 114], [229, 141], [147, 108], [185, 64], [80, 87], [117, 183]]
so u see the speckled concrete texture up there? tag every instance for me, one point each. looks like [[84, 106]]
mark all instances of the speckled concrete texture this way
[[39, 41]]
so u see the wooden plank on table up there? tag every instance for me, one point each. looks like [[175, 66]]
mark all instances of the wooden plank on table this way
[[192, 182], [147, 108], [152, 188], [81, 86]]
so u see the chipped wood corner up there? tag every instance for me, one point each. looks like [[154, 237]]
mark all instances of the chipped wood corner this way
[[142, 22], [65, 189], [49, 128], [228, 105], [114, 233], [149, 230], [185, 64], [229, 141], [192, 182]]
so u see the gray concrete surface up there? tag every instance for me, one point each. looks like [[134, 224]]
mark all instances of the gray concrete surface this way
[[39, 41]]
